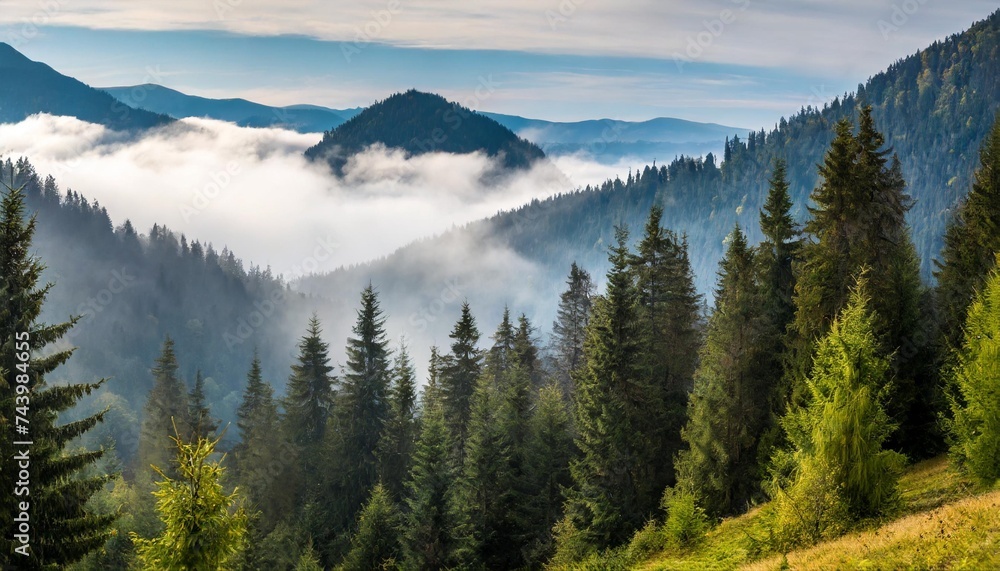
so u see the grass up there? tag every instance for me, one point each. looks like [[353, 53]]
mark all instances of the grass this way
[[942, 524]]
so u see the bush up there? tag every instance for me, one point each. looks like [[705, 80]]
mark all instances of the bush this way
[[809, 510], [686, 522], [646, 542], [572, 546]]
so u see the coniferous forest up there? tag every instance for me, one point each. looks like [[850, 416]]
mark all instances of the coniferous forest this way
[[849, 340]]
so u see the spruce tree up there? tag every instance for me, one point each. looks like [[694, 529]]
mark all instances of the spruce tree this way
[[779, 251], [527, 350], [842, 432], [362, 408], [376, 542], [729, 408], [61, 529], [550, 449], [975, 377], [199, 415], [204, 528], [166, 406], [432, 524], [604, 503], [459, 373], [970, 242], [400, 434], [569, 328]]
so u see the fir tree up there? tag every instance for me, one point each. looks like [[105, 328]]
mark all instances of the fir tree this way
[[204, 528], [199, 415], [400, 433], [569, 328], [604, 502], [459, 373], [779, 251], [729, 407], [975, 376], [376, 542], [61, 531], [550, 450], [431, 523], [527, 350], [165, 407], [971, 240]]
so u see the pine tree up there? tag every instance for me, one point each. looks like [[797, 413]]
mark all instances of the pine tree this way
[[729, 408], [199, 415], [779, 251], [61, 529], [859, 221], [166, 406], [668, 317], [550, 450], [459, 373], [307, 403], [527, 350], [502, 355], [604, 502], [376, 543], [975, 376], [400, 434], [431, 523], [362, 408], [971, 240], [204, 528], [569, 328], [843, 429]]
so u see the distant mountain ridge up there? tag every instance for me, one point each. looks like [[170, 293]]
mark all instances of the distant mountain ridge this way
[[301, 118], [420, 123], [31, 87]]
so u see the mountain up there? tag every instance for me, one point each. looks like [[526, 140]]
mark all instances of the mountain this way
[[419, 123], [301, 118], [31, 87]]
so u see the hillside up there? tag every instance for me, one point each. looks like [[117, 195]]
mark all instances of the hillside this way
[[944, 521], [31, 87], [935, 107], [421, 123], [159, 99]]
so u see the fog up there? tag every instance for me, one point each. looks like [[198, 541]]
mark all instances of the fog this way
[[252, 190]]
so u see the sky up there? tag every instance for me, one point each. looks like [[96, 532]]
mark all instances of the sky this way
[[742, 63]]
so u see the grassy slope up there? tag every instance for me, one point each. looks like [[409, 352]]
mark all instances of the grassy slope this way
[[943, 524]]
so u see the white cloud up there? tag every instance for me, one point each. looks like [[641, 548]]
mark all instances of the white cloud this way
[[252, 189]]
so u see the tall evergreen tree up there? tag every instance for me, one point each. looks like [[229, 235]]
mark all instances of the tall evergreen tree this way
[[459, 373], [604, 502], [376, 542], [970, 242], [569, 328], [859, 221], [432, 521], [729, 408], [199, 415], [362, 408], [165, 407], [975, 376], [61, 530], [779, 250], [400, 434], [668, 320], [502, 355], [527, 350], [550, 450]]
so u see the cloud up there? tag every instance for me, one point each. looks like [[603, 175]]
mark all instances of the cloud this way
[[252, 190]]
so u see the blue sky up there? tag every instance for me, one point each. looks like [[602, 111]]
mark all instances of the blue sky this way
[[743, 63]]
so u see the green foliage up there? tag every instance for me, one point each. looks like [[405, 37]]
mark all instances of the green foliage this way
[[308, 561], [62, 530], [730, 406], [399, 437], [975, 402], [419, 123], [166, 405], [205, 528], [970, 241], [376, 543], [200, 420], [570, 327], [686, 522], [459, 372], [839, 468]]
